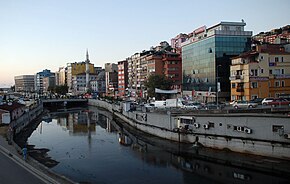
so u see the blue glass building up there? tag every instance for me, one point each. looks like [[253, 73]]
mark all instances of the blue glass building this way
[[206, 58]]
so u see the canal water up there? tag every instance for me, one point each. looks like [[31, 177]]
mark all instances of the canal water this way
[[87, 146]]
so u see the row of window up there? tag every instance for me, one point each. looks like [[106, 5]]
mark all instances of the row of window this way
[[277, 83], [255, 72]]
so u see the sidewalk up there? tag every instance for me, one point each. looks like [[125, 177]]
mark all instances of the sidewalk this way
[[32, 165]]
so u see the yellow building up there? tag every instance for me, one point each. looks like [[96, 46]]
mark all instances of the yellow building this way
[[77, 68], [264, 72]]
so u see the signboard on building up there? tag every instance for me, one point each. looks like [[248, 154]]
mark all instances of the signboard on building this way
[[259, 78], [199, 30]]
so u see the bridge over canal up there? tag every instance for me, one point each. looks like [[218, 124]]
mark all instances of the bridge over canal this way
[[55, 102]]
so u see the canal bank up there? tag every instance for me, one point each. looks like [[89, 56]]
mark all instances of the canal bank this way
[[94, 146], [250, 133], [14, 151]]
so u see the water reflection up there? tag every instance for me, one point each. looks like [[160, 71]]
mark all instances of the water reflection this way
[[91, 146]]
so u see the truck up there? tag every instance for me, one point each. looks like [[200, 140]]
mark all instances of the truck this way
[[176, 102]]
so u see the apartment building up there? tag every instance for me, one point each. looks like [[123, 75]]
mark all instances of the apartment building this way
[[122, 78], [111, 73], [159, 60], [48, 82], [262, 72], [60, 76], [39, 80]]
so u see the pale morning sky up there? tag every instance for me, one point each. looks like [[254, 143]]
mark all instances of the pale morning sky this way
[[47, 34]]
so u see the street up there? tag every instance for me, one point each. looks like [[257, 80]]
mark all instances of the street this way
[[12, 172]]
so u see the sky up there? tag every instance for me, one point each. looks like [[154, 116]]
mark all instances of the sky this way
[[47, 34]]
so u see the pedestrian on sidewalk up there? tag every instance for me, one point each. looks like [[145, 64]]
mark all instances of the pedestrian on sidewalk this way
[[24, 152]]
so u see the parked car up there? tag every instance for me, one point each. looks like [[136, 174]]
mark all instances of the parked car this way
[[214, 105], [267, 100], [278, 102], [244, 104], [257, 100], [233, 102], [194, 106]]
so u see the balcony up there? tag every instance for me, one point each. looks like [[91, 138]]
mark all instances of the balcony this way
[[240, 89], [236, 77]]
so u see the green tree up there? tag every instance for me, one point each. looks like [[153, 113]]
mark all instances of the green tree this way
[[51, 89], [157, 81], [12, 88], [62, 89]]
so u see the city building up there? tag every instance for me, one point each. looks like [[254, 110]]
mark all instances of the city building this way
[[98, 70], [111, 72], [39, 80], [275, 36], [4, 117], [99, 85], [24, 83], [159, 60], [134, 73], [206, 59], [78, 68], [60, 76], [48, 83], [122, 78], [79, 83], [260, 73], [15, 109], [176, 41]]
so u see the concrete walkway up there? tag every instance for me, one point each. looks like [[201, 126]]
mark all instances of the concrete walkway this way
[[43, 173]]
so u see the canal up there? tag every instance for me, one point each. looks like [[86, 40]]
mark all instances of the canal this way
[[88, 146]]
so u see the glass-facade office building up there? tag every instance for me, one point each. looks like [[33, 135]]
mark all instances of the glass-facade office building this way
[[208, 52]]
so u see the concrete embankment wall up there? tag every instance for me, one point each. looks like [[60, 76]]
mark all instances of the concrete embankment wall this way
[[263, 139]]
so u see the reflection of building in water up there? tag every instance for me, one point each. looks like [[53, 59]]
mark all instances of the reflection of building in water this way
[[80, 123], [222, 172], [103, 121], [124, 139], [62, 122], [110, 127]]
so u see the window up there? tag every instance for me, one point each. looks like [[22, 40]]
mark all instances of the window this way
[[276, 59], [270, 72], [239, 72], [210, 124], [187, 121], [282, 71], [282, 83], [262, 70], [254, 96], [276, 128], [238, 28], [254, 72], [233, 85], [254, 85], [277, 83], [282, 59]]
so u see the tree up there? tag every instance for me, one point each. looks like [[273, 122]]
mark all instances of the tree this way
[[157, 81], [62, 89], [51, 89], [12, 88]]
